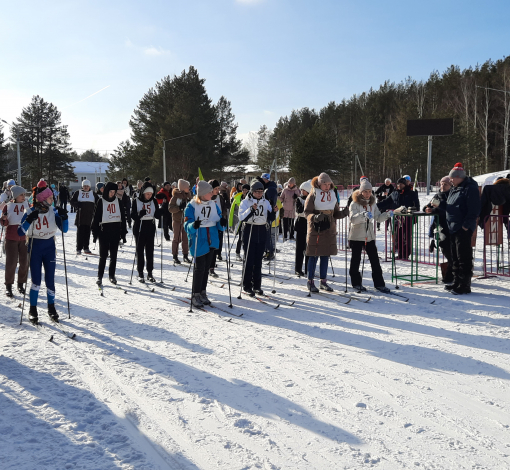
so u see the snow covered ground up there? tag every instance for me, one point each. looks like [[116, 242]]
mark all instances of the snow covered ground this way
[[316, 385]]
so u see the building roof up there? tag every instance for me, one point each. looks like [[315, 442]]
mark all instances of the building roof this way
[[89, 167]]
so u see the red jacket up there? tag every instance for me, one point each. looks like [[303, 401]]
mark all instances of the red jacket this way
[[163, 193]]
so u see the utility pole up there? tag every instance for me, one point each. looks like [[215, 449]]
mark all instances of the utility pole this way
[[164, 151]]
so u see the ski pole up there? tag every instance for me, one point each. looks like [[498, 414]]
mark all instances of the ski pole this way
[[65, 271], [245, 261], [393, 252], [28, 270], [228, 270], [194, 266], [365, 251], [332, 269], [161, 249], [274, 264], [2, 240], [136, 251]]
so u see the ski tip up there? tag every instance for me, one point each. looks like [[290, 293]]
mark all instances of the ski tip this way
[[73, 336], [348, 301], [277, 306], [292, 303], [433, 302], [368, 299], [51, 338], [229, 320]]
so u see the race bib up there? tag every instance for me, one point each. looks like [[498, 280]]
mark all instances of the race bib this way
[[325, 200], [148, 206], [85, 196], [111, 211], [15, 212], [207, 213], [45, 226]]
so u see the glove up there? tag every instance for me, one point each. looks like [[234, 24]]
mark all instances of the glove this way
[[401, 210], [196, 224], [391, 213], [432, 245], [182, 205], [295, 196], [32, 216], [142, 213], [368, 215], [62, 213], [320, 217], [223, 222]]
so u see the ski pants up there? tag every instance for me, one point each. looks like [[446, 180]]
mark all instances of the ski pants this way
[[446, 249], [16, 251], [253, 256], [300, 251], [167, 222], [270, 239], [371, 251], [201, 271], [179, 236], [107, 245], [145, 242], [63, 203], [288, 227], [462, 256], [312, 264], [42, 254], [82, 237]]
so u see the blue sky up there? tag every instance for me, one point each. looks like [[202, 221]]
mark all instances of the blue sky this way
[[266, 56]]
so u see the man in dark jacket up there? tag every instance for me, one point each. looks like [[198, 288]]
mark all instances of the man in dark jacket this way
[[438, 206], [163, 197], [462, 210]]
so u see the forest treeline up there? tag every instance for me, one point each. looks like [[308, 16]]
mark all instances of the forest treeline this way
[[363, 134], [372, 126]]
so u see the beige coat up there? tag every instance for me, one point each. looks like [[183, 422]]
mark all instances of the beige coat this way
[[323, 243], [361, 227], [173, 207]]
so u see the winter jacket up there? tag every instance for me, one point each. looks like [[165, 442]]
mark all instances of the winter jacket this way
[[84, 209], [463, 206], [301, 222], [288, 198], [497, 194], [271, 192], [178, 203], [220, 201], [234, 205], [398, 198], [384, 191], [113, 231], [207, 236], [126, 203], [361, 228], [163, 197], [321, 243], [224, 195]]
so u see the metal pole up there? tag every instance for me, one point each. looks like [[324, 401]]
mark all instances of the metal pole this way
[[429, 164], [164, 161], [19, 158]]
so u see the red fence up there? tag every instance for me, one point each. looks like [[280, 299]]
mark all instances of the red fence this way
[[496, 247]]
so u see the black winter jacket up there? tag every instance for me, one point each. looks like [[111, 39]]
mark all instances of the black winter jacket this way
[[85, 209], [463, 206], [405, 197]]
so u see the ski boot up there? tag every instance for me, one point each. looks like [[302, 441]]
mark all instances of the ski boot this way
[[383, 289], [52, 312], [311, 287], [8, 291], [150, 278], [141, 279], [258, 291], [324, 286], [87, 251], [113, 280], [32, 315], [461, 289], [238, 257], [99, 281], [299, 273], [176, 260], [450, 287], [204, 299], [186, 259], [21, 288], [360, 288], [219, 257], [249, 291], [196, 301], [78, 252], [212, 273]]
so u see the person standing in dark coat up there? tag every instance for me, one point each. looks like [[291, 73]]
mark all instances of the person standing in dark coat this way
[[83, 201], [109, 226], [163, 197], [438, 206], [63, 196], [301, 228], [462, 210]]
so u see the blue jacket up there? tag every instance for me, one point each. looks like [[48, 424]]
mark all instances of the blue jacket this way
[[463, 206], [203, 246]]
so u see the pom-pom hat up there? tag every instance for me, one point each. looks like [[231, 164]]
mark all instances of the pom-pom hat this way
[[457, 171]]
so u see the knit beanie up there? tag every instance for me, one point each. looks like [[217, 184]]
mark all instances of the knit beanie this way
[[44, 194], [324, 178], [363, 178], [214, 183], [291, 181], [17, 191], [182, 185], [224, 184], [255, 185], [147, 179], [41, 183], [203, 188], [148, 189], [246, 186], [306, 186], [457, 171], [402, 181], [365, 184], [85, 183], [165, 183], [99, 186]]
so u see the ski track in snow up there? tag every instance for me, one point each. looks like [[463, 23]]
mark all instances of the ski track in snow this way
[[316, 385]]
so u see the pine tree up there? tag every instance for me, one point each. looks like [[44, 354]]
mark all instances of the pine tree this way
[[4, 148], [44, 143], [122, 163]]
